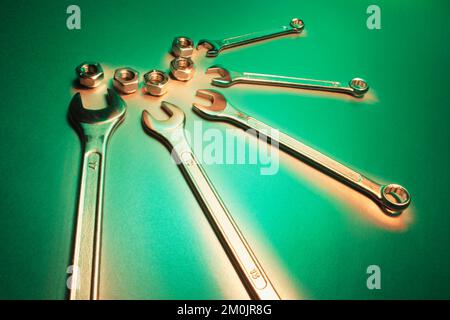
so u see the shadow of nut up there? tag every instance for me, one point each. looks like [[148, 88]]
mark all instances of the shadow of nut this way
[[182, 47], [155, 82], [182, 68], [90, 74], [126, 80]]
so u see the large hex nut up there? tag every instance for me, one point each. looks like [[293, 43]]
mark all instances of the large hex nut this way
[[126, 80], [155, 82], [182, 47], [90, 74], [182, 68]]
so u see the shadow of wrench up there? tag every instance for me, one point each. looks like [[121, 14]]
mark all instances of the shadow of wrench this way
[[392, 198], [171, 133], [95, 128], [356, 87], [216, 46]]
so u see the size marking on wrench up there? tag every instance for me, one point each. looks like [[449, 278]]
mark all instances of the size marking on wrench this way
[[171, 133], [356, 87], [216, 46], [95, 128], [392, 198]]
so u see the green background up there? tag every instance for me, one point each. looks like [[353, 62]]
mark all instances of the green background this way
[[314, 237]]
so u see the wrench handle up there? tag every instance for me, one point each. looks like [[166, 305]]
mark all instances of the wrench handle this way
[[300, 150], [257, 36], [86, 257], [293, 82], [239, 251]]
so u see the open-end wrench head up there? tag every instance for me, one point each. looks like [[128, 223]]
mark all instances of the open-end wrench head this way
[[175, 120], [226, 77], [114, 110], [221, 71], [213, 46], [218, 102]]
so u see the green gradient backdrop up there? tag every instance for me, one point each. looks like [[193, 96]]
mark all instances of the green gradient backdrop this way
[[157, 243]]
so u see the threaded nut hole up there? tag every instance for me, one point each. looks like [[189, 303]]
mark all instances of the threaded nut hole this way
[[155, 77], [184, 42], [127, 75], [183, 64], [89, 69]]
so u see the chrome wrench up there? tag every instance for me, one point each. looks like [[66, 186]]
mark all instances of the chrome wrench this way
[[171, 133], [392, 198], [95, 128], [356, 87], [216, 46]]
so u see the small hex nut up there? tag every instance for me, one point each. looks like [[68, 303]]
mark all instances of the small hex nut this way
[[182, 47], [182, 68], [155, 82], [90, 74], [126, 80]]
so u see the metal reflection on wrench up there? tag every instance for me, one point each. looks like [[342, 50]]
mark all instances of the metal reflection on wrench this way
[[171, 133], [392, 198], [356, 87], [216, 46], [95, 128]]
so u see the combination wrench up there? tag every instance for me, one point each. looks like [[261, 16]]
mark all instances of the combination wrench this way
[[356, 87], [95, 128], [392, 198], [216, 46], [171, 133]]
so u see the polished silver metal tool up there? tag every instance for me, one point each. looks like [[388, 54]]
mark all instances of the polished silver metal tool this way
[[392, 198], [171, 133], [356, 87], [216, 46], [95, 128]]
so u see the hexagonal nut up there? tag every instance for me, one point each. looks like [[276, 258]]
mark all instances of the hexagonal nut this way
[[126, 80], [90, 74], [155, 82], [182, 47], [182, 68]]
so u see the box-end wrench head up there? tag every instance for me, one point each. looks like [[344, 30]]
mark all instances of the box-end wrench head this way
[[95, 128], [392, 198], [216, 46], [218, 109], [356, 87]]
